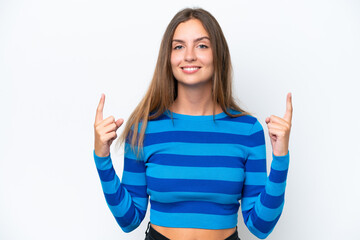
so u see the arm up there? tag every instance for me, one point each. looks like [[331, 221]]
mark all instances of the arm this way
[[263, 197], [127, 199]]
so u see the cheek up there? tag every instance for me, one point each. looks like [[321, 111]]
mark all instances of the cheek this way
[[175, 59], [206, 59]]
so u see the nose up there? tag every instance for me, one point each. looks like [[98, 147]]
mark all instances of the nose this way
[[190, 55]]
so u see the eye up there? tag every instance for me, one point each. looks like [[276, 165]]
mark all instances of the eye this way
[[202, 46], [178, 47]]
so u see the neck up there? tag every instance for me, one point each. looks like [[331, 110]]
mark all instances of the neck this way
[[194, 100]]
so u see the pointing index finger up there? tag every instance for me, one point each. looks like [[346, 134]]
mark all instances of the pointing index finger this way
[[289, 108], [99, 110]]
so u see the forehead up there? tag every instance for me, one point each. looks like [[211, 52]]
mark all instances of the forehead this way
[[190, 29]]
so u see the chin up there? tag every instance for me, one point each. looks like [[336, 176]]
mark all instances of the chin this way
[[194, 82]]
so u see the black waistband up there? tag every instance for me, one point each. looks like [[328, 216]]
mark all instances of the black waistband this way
[[155, 235]]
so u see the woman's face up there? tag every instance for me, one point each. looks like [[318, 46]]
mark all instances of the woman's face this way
[[191, 54]]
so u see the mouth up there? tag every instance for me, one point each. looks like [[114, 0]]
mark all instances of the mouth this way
[[190, 69]]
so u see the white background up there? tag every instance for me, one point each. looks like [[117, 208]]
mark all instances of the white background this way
[[57, 57]]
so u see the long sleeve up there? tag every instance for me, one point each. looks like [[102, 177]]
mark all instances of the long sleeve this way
[[262, 197], [127, 199]]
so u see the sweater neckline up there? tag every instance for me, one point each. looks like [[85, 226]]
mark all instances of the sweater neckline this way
[[195, 117]]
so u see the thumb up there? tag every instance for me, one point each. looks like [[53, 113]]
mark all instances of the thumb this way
[[119, 122]]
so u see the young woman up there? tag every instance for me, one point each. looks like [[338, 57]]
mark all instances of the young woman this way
[[190, 148]]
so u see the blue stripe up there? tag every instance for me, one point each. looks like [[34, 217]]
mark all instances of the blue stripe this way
[[193, 220], [189, 185], [195, 207], [106, 175], [140, 202], [275, 189], [246, 214], [136, 191], [255, 231], [203, 137], [127, 219], [129, 153], [256, 153], [131, 178], [127, 225], [195, 117], [121, 209], [271, 201], [252, 190], [102, 163], [132, 165], [280, 163], [165, 197], [268, 214], [255, 139], [256, 165], [262, 225], [277, 176], [197, 161], [199, 126], [111, 186], [176, 172], [115, 198], [256, 127], [201, 149], [255, 178], [247, 203], [242, 119]]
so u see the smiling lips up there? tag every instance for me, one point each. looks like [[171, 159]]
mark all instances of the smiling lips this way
[[190, 69]]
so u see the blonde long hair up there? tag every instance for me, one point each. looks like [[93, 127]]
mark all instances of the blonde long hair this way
[[163, 88]]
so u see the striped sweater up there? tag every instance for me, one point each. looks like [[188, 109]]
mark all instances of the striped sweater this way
[[195, 170]]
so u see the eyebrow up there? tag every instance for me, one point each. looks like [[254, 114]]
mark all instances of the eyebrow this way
[[196, 40]]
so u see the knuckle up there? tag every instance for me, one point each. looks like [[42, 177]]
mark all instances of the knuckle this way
[[98, 128], [112, 135]]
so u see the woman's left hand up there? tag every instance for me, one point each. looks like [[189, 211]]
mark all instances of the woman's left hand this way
[[279, 129]]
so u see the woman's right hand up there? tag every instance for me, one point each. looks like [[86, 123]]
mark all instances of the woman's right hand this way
[[105, 130]]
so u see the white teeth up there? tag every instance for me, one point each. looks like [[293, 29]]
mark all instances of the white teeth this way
[[191, 69]]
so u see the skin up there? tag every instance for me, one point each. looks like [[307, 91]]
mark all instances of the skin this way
[[105, 130], [192, 48]]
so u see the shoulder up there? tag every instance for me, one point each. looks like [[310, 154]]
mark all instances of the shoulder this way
[[240, 117], [246, 122], [153, 117]]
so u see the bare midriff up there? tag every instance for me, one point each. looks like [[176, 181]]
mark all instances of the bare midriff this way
[[194, 233]]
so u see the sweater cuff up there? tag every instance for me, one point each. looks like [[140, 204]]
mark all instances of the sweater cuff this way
[[102, 163], [280, 163]]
